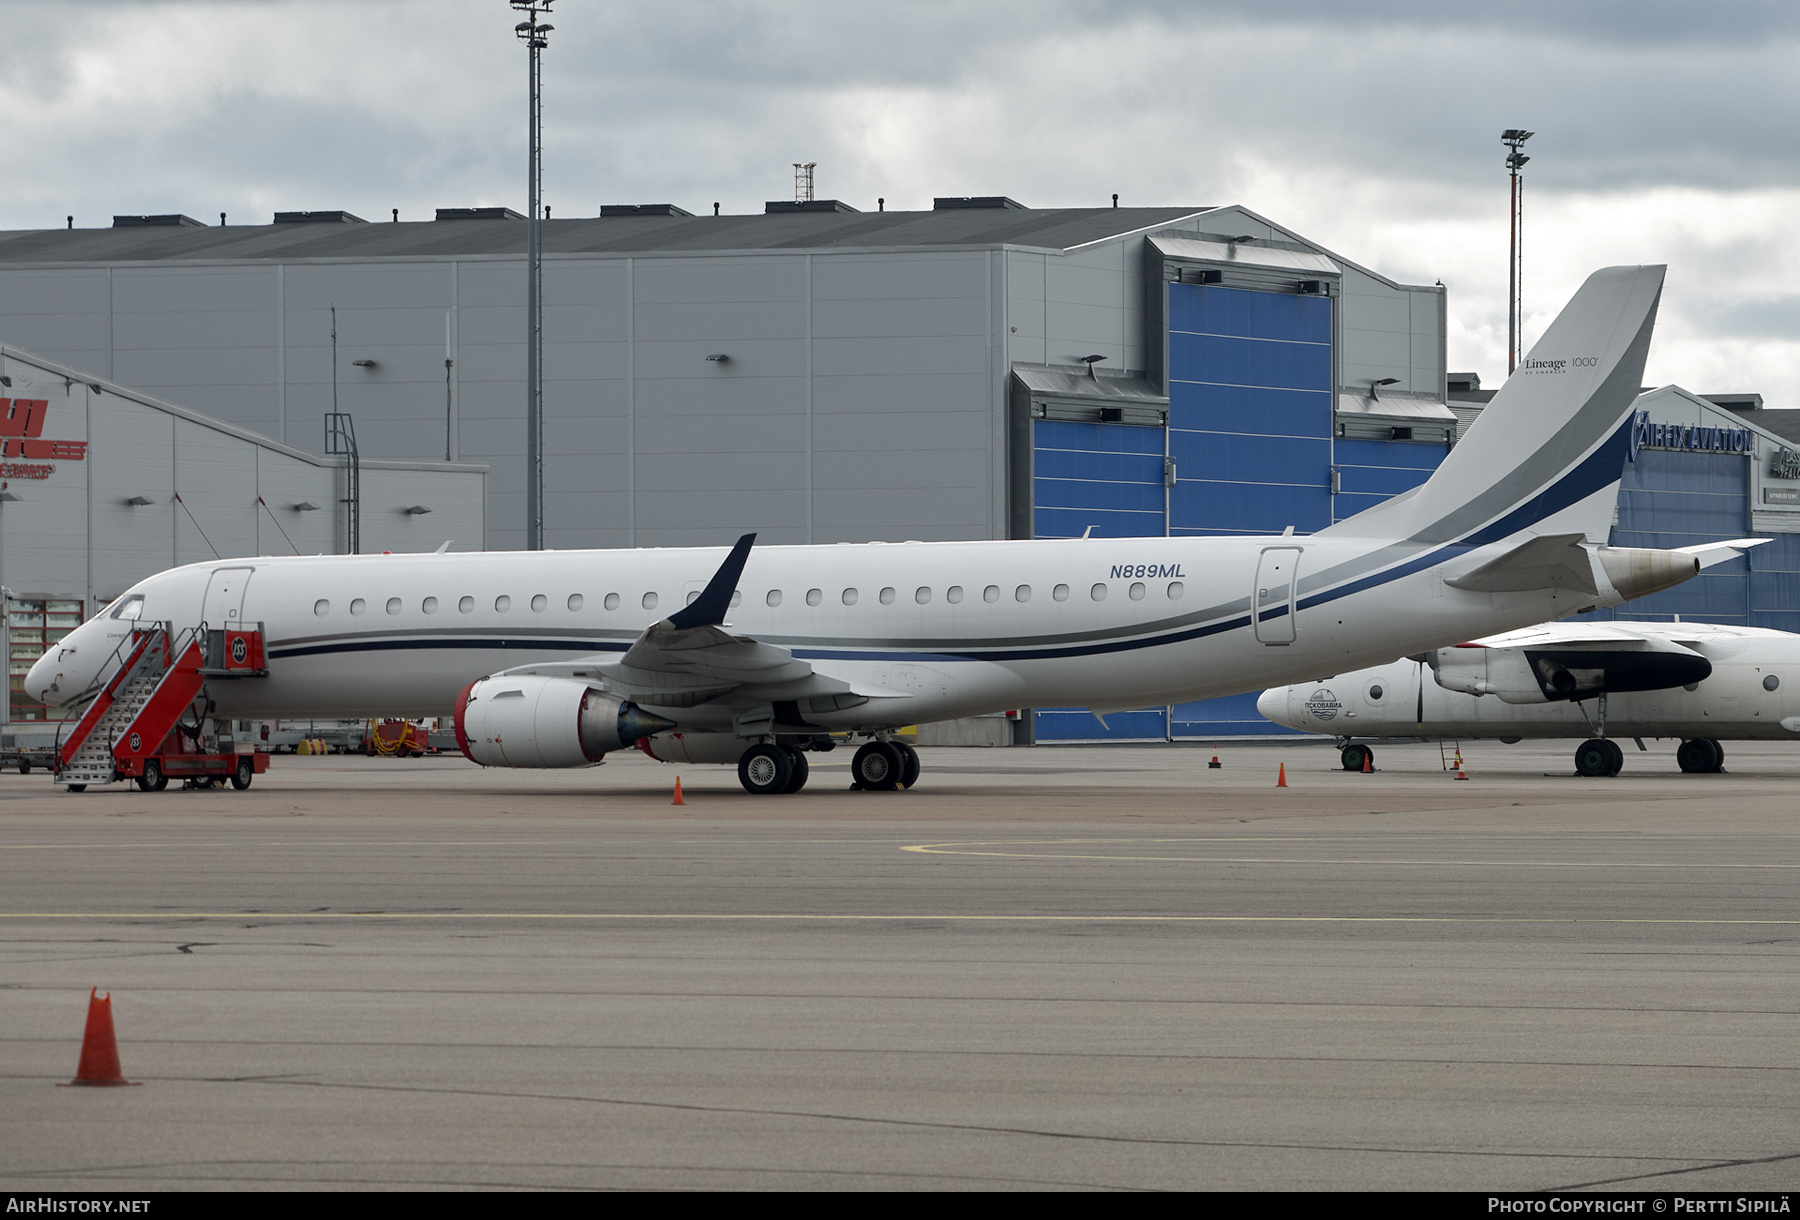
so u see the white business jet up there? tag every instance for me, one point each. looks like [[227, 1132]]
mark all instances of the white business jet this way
[[1696, 682], [552, 659]]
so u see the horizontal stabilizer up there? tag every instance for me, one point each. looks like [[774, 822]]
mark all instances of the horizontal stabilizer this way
[[1555, 562], [1709, 553]]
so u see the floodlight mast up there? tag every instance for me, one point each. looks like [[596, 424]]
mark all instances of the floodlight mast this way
[[1514, 138], [535, 35]]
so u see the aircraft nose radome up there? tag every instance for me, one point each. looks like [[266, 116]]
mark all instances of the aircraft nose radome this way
[[37, 682], [1272, 704]]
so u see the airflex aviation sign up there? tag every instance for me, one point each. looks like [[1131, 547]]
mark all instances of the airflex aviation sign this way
[[1689, 437], [21, 436]]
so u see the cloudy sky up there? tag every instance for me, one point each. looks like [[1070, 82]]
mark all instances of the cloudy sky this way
[[1667, 131]]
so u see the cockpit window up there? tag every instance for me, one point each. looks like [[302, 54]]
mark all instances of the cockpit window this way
[[129, 608]]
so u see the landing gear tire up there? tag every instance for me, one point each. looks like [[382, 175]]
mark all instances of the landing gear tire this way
[[801, 767], [1598, 757], [1354, 756], [909, 764], [1700, 756], [765, 770], [878, 766], [246, 771]]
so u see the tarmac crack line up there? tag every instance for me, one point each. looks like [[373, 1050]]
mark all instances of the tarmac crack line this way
[[929, 1124], [1669, 1173]]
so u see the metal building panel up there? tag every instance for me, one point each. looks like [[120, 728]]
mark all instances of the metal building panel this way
[[215, 475], [60, 313], [933, 392], [874, 355], [925, 275], [767, 279], [750, 360], [718, 322]]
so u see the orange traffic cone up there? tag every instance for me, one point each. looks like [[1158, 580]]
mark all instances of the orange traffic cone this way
[[1214, 764], [1460, 774], [1281, 777], [99, 1048], [1368, 762], [677, 800]]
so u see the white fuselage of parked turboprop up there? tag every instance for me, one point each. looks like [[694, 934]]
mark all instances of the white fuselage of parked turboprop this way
[[868, 637]]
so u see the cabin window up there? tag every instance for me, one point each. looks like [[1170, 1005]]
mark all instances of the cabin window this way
[[953, 595], [611, 602], [1060, 593], [887, 596], [1098, 593], [322, 607], [539, 603], [429, 605], [693, 595], [503, 603], [922, 595], [466, 605], [1176, 589], [849, 597], [358, 606], [737, 598], [814, 597], [991, 593], [1022, 593], [574, 601], [393, 605], [132, 608], [1137, 591], [774, 597], [650, 600]]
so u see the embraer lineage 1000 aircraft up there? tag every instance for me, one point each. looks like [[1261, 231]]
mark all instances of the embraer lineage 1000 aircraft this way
[[552, 659]]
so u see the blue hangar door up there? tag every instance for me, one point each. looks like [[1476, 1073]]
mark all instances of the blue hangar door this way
[[1098, 468], [1250, 419], [1246, 449]]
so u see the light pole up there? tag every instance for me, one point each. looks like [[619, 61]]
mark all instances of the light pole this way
[[1514, 138], [535, 35]]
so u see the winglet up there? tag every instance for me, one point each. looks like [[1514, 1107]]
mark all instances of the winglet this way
[[708, 610]]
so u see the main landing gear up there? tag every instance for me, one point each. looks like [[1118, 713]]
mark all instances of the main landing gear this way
[[1599, 757], [1355, 757], [884, 766], [766, 769], [769, 768], [1700, 755]]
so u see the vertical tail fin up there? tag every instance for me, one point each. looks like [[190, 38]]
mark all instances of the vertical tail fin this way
[[1547, 454]]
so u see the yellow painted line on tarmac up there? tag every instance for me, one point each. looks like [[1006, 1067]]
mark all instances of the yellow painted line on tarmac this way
[[740, 917]]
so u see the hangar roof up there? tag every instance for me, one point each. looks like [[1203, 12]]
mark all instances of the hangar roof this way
[[1044, 228]]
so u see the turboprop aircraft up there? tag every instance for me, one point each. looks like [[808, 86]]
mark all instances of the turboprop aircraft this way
[[755, 656], [1697, 682]]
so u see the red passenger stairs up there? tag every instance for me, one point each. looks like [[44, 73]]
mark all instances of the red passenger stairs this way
[[131, 729]]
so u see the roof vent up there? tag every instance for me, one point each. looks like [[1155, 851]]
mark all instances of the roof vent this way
[[1736, 402], [806, 205], [976, 201], [338, 217], [642, 209], [172, 218], [478, 214]]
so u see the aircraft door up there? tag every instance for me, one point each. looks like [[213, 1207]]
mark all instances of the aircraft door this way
[[1273, 607], [224, 605]]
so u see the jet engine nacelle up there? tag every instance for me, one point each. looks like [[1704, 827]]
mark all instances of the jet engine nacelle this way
[[530, 721], [1552, 674]]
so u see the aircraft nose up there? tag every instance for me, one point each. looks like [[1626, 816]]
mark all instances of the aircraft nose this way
[[41, 675], [1272, 704]]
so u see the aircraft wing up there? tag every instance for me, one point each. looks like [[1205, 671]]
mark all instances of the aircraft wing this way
[[690, 658]]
